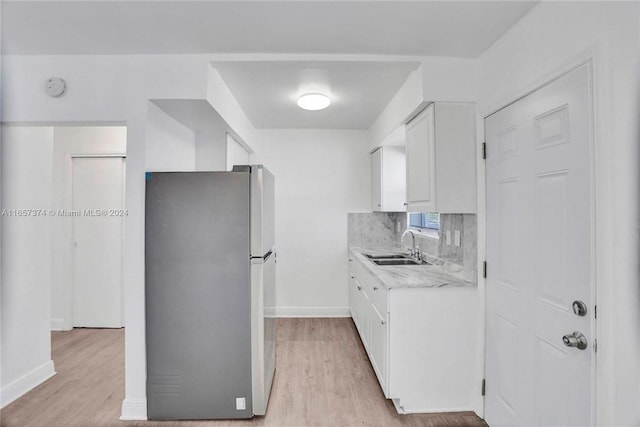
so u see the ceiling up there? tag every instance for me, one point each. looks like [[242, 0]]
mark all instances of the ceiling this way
[[433, 28], [359, 91], [267, 90]]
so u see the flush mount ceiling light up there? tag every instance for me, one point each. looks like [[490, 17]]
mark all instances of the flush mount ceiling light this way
[[314, 101]]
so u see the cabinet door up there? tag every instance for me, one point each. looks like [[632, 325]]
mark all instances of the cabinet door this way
[[378, 346], [364, 317], [421, 185], [359, 302], [455, 142], [376, 180], [353, 296]]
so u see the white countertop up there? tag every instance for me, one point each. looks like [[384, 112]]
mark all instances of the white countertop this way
[[435, 275]]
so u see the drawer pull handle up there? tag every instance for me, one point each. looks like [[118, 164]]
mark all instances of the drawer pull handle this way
[[359, 288], [375, 288], [382, 322]]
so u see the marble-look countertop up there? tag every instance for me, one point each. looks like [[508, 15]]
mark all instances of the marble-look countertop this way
[[437, 274]]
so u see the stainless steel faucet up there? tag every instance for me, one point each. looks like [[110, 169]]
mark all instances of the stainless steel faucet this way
[[414, 251]]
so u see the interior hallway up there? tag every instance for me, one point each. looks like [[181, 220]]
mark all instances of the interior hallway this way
[[323, 378]]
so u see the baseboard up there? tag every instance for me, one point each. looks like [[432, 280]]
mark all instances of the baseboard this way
[[134, 410], [26, 383], [58, 325], [312, 312], [437, 410]]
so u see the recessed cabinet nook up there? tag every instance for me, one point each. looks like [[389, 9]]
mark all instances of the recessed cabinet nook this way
[[388, 179], [441, 159]]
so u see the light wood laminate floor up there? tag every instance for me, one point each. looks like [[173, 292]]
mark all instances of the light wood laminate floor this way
[[323, 378]]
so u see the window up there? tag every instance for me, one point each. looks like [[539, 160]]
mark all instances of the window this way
[[425, 220]]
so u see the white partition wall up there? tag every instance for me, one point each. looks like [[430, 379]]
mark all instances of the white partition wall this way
[[236, 153]]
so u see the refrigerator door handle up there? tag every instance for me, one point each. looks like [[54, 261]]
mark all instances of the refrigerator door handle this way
[[264, 257]]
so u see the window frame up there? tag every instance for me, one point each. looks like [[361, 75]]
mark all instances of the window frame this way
[[431, 232]]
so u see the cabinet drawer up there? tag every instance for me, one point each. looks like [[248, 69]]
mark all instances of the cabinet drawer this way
[[378, 295], [360, 271], [375, 290]]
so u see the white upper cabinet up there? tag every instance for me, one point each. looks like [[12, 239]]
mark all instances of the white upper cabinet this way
[[420, 162], [388, 179], [441, 159]]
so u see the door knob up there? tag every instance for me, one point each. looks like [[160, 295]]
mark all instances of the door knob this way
[[576, 339]]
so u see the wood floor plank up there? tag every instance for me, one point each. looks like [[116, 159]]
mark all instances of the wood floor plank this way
[[323, 379]]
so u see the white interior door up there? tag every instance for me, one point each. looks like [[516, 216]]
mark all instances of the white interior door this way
[[98, 201], [540, 257]]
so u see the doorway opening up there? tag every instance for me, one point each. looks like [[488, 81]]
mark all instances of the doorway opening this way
[[87, 230]]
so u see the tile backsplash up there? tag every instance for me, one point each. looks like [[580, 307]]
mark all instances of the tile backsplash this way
[[379, 230], [374, 229]]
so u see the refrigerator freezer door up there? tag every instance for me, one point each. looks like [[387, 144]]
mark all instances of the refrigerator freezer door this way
[[263, 330], [198, 295], [262, 211]]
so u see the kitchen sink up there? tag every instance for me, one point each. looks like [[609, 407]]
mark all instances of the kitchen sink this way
[[386, 256], [393, 259], [404, 261]]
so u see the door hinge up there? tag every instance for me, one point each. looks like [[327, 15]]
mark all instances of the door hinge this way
[[484, 383], [595, 346], [484, 150], [484, 269], [595, 311]]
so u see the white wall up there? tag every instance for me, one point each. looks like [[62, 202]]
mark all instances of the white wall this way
[[236, 153], [320, 176], [99, 87], [211, 151], [72, 141], [220, 97], [544, 41], [170, 146], [26, 260]]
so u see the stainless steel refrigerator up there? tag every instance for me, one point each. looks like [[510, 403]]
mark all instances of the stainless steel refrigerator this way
[[210, 293]]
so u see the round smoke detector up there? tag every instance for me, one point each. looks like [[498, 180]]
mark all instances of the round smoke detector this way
[[55, 86]]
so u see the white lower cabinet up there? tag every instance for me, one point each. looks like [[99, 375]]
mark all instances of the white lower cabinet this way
[[378, 345], [370, 322], [359, 303], [421, 342]]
